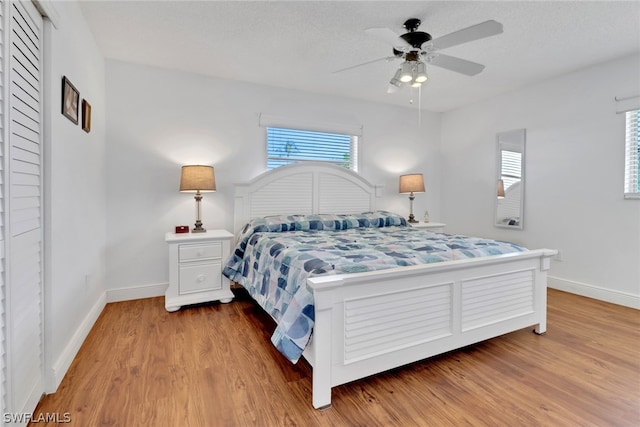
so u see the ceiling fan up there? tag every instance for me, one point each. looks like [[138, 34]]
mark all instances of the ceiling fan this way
[[417, 48]]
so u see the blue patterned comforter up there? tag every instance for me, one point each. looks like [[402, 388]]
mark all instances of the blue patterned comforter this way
[[274, 256]]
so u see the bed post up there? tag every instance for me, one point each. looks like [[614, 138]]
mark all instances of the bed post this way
[[541, 297], [321, 380]]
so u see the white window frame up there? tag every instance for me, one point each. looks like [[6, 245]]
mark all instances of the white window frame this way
[[632, 154]]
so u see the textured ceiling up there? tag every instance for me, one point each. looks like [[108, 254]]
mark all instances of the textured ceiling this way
[[298, 44]]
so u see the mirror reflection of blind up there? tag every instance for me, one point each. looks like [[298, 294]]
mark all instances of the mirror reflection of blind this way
[[511, 167], [632, 152]]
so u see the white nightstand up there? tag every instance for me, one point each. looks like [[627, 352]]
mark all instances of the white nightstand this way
[[436, 227], [195, 268]]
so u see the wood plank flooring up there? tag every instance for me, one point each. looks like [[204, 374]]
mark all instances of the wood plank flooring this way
[[214, 365]]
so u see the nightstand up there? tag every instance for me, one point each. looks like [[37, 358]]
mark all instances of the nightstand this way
[[436, 227], [195, 268]]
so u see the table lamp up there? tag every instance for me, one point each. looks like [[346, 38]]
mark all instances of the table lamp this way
[[197, 179], [411, 183]]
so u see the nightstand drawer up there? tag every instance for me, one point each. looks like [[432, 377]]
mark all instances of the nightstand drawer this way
[[198, 277], [203, 251]]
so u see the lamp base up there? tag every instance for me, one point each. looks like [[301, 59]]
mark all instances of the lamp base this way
[[198, 228], [412, 219]]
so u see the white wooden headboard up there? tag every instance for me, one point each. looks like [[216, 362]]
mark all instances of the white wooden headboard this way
[[303, 188]]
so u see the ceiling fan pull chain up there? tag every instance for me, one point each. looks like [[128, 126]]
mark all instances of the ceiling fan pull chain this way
[[419, 106]]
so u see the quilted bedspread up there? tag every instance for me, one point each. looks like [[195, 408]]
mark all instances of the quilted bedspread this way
[[274, 256]]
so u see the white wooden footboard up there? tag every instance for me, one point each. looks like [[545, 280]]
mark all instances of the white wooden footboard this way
[[371, 322]]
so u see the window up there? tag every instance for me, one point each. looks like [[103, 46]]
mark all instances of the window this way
[[285, 146], [632, 155]]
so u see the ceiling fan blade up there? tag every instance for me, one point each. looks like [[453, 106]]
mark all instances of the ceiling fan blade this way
[[388, 36], [387, 58], [475, 32], [458, 65]]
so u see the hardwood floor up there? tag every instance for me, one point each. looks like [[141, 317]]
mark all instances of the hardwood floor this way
[[214, 365]]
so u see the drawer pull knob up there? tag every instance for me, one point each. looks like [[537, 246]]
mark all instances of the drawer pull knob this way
[[200, 278]]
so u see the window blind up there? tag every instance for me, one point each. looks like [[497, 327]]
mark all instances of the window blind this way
[[632, 154], [285, 146]]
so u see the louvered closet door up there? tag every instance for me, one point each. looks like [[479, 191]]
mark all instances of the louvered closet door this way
[[3, 301], [23, 212]]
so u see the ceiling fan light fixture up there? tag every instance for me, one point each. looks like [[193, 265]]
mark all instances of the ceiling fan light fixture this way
[[395, 80], [406, 72], [421, 73], [416, 84]]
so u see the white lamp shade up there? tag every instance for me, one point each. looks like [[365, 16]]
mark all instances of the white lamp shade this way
[[395, 80], [406, 75], [411, 183], [421, 73], [196, 178]]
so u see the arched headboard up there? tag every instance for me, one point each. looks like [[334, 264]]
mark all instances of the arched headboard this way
[[303, 188]]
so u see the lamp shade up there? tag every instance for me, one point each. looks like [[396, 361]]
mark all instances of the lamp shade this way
[[500, 189], [395, 80], [412, 183], [421, 73], [197, 178], [406, 75]]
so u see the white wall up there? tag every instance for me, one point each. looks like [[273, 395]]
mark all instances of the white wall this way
[[574, 176], [75, 193], [159, 120]]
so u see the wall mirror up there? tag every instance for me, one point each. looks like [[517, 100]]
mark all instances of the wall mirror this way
[[509, 193]]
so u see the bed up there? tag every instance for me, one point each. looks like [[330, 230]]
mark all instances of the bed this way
[[365, 320]]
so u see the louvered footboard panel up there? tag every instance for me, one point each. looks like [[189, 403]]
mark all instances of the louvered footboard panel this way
[[384, 323], [491, 299]]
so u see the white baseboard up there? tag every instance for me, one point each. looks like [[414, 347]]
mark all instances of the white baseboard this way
[[61, 366], [608, 295], [136, 292]]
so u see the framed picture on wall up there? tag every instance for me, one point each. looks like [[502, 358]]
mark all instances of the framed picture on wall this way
[[86, 116], [70, 100]]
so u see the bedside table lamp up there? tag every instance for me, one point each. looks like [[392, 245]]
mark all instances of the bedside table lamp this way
[[197, 179], [411, 183]]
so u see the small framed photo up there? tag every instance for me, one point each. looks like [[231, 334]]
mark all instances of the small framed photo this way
[[70, 100], [86, 116]]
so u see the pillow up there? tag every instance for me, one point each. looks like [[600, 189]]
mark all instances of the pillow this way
[[282, 223], [382, 219]]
